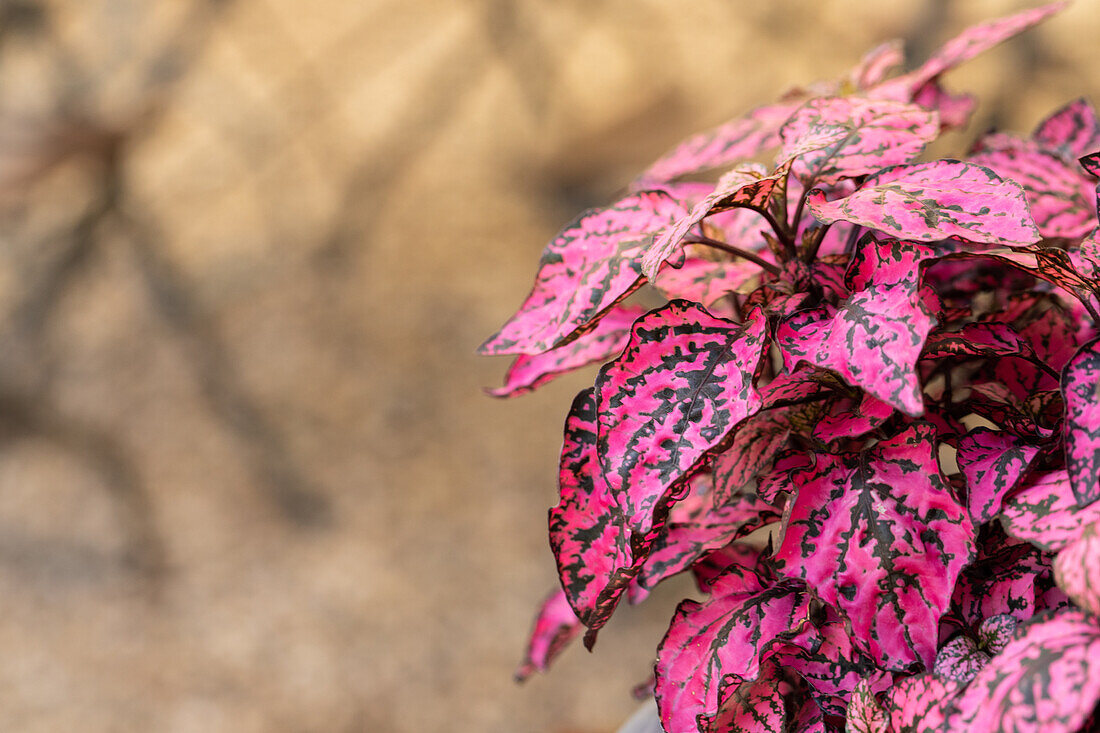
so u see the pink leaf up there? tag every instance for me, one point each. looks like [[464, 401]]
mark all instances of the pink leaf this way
[[589, 266], [1045, 512], [1081, 390], [994, 463], [749, 186], [954, 109], [879, 535], [774, 701], [1077, 569], [1073, 130], [1059, 196], [555, 626], [587, 532], [1047, 679], [684, 382], [851, 418], [734, 141], [931, 201], [874, 339], [843, 137], [704, 281], [960, 659], [756, 443], [865, 715], [996, 631], [921, 704], [877, 64], [607, 339], [719, 643], [1007, 578]]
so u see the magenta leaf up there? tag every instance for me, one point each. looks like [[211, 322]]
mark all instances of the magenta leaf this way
[[879, 535], [713, 646], [1046, 679], [931, 201], [921, 704], [1081, 391], [695, 528], [683, 383], [874, 339], [712, 566], [607, 339], [977, 339], [1007, 578], [1072, 131], [996, 631], [555, 626], [960, 659], [749, 186], [994, 463], [1059, 196], [832, 138], [589, 266], [734, 141], [775, 701], [706, 282], [1045, 512], [1077, 569], [851, 418], [587, 532], [755, 444]]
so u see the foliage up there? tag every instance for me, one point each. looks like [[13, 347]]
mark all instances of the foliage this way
[[889, 365]]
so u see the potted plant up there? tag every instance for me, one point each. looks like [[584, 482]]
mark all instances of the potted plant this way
[[866, 417]]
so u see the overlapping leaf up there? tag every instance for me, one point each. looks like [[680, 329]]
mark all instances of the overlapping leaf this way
[[774, 701], [684, 382], [843, 137], [931, 201], [591, 265], [734, 141], [996, 631], [921, 704], [851, 417], [716, 645], [960, 659], [555, 626], [705, 281], [1006, 578], [865, 714], [1081, 391], [608, 338], [994, 463], [1046, 679], [1077, 569], [881, 537], [1072, 131], [1045, 512]]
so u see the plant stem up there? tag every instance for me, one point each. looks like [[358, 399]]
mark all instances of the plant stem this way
[[736, 251]]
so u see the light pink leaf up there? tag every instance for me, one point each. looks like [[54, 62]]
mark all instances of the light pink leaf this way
[[865, 715], [749, 186], [954, 110], [719, 643], [707, 282], [994, 463], [877, 64], [1045, 513], [1047, 679], [960, 659], [879, 535], [931, 201], [843, 137], [1061, 198], [1072, 131], [589, 266], [684, 382], [1077, 569], [555, 626], [996, 631], [607, 339], [732, 142], [1081, 391]]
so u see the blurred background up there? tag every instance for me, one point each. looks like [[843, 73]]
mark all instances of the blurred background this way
[[248, 477]]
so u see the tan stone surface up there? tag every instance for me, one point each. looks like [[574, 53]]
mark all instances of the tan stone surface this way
[[248, 479]]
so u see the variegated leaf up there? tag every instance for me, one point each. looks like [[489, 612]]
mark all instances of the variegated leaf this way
[[719, 643], [994, 463], [879, 534], [683, 383], [588, 533], [1077, 569], [607, 339], [756, 443], [843, 137], [734, 141], [921, 704], [1081, 391], [1047, 679], [954, 110], [749, 186], [1045, 512], [960, 659], [706, 282], [996, 631], [555, 626], [1061, 198], [851, 418], [877, 64], [775, 701], [1007, 578], [1072, 131], [865, 714], [931, 201], [587, 268]]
